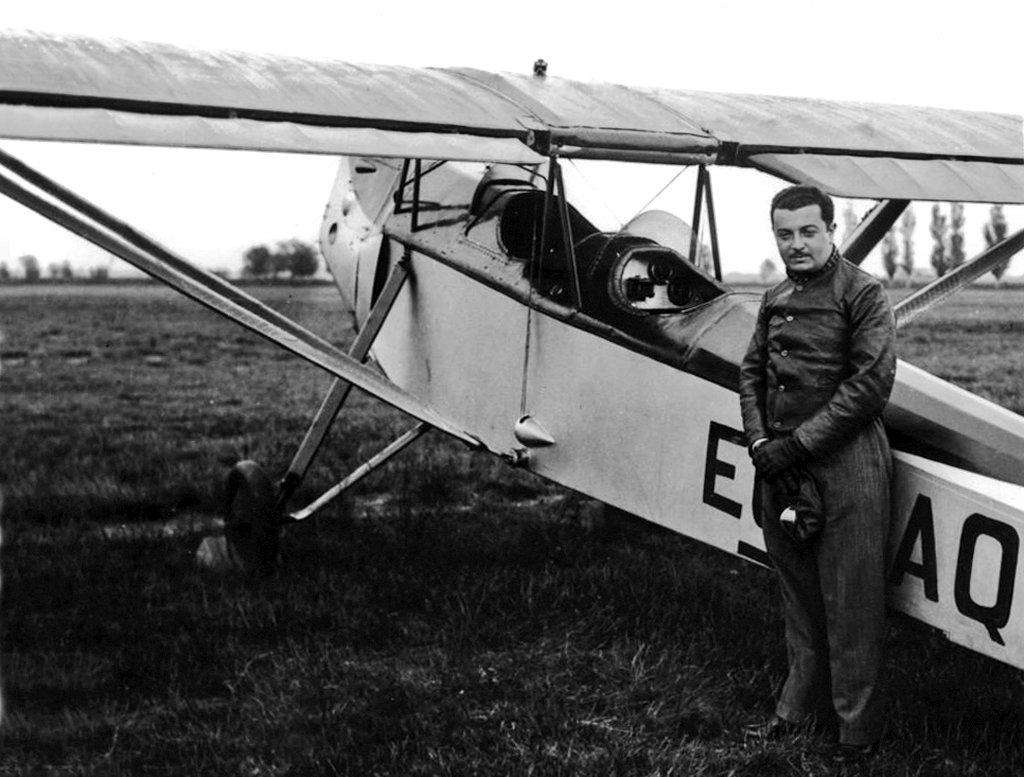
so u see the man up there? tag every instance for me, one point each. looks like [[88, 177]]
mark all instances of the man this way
[[816, 376]]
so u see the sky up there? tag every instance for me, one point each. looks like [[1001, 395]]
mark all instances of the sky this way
[[211, 205]]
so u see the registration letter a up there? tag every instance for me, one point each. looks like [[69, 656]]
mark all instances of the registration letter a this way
[[920, 524]]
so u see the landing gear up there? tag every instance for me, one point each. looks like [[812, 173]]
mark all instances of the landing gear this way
[[252, 526], [256, 504]]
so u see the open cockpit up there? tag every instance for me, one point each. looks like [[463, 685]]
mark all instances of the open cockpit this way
[[636, 271]]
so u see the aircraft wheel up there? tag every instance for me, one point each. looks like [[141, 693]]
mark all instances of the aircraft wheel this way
[[251, 525]]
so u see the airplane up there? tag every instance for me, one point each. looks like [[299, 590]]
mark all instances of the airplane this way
[[495, 311]]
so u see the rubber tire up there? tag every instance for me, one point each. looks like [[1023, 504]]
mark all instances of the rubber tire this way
[[252, 525]]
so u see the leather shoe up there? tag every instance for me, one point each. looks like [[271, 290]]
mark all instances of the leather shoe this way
[[849, 754], [773, 727]]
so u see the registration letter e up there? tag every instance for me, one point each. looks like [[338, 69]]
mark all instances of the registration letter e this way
[[715, 468]]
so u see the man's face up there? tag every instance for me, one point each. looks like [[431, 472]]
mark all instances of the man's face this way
[[803, 238]]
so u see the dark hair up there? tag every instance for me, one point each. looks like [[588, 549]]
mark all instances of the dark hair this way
[[794, 197]]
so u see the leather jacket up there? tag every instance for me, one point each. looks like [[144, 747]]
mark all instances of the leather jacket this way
[[821, 362]]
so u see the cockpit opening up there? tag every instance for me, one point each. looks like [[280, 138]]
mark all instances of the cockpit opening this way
[[627, 274]]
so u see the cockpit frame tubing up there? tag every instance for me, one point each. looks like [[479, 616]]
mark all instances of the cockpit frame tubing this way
[[704, 186], [416, 206], [568, 244], [712, 223], [698, 209]]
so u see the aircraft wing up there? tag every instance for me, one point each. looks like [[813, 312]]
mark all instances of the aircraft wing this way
[[70, 88]]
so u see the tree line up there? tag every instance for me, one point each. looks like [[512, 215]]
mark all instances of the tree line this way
[[32, 271], [948, 240], [289, 258]]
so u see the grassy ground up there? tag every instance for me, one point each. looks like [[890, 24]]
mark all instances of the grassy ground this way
[[453, 617]]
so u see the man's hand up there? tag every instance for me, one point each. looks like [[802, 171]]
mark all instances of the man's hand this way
[[776, 456]]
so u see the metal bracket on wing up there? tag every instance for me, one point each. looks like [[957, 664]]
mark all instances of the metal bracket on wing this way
[[941, 288], [81, 217]]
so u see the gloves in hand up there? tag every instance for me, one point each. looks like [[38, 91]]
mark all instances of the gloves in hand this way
[[776, 456]]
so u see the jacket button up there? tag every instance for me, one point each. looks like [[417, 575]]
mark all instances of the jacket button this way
[[789, 318], [782, 388], [777, 424], [785, 352]]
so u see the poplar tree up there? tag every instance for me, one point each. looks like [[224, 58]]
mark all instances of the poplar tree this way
[[850, 220], [890, 252], [956, 235], [994, 232], [907, 225], [938, 230]]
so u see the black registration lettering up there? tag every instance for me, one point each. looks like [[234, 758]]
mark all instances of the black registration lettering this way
[[919, 525], [996, 616], [715, 468]]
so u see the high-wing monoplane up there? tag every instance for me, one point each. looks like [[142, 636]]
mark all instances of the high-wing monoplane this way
[[497, 312]]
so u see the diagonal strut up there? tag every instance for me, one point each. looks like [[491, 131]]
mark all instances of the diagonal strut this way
[[935, 292], [121, 240]]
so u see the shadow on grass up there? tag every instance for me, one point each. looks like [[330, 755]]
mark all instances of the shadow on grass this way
[[431, 642]]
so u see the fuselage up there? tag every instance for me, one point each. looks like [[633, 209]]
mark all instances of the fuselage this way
[[631, 369]]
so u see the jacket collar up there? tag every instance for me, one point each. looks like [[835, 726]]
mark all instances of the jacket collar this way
[[825, 269]]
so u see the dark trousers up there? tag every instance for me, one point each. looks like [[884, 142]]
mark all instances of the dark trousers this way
[[833, 590]]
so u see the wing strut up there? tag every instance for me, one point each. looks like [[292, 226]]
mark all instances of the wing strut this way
[[871, 229], [359, 473], [102, 229], [339, 391], [935, 292]]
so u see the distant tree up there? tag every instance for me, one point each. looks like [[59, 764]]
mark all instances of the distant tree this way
[[53, 270], [956, 235], [890, 252], [30, 265], [768, 268], [850, 221], [907, 225], [257, 262], [5, 272], [938, 230], [99, 273], [67, 272], [994, 232], [296, 258], [706, 258]]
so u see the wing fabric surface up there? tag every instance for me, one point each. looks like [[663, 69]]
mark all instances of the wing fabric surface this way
[[901, 179], [69, 88]]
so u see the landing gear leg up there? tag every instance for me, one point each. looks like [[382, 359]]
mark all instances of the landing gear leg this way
[[255, 506]]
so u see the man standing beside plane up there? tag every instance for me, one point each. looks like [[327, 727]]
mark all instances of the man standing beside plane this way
[[815, 379]]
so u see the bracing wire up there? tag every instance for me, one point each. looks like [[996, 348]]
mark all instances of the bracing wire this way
[[660, 191], [537, 254]]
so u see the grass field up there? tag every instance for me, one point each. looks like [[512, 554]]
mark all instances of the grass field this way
[[453, 616]]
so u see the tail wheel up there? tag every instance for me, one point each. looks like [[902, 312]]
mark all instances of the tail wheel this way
[[251, 525]]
